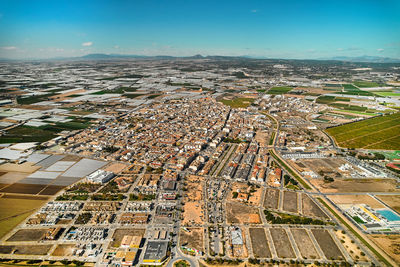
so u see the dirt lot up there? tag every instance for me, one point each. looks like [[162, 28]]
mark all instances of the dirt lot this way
[[282, 244], [356, 185], [352, 248], [305, 244], [254, 195], [193, 213], [356, 199], [389, 243], [192, 239], [194, 186], [241, 213], [271, 198], [311, 209], [120, 233], [63, 250], [290, 201], [12, 177], [327, 244], [28, 235], [26, 249], [259, 243], [115, 167], [391, 201]]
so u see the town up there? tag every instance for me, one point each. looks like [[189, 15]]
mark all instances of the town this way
[[200, 161]]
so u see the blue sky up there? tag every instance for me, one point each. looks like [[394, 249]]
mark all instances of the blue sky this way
[[277, 29]]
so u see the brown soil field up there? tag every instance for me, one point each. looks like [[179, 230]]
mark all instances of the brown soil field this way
[[26, 249], [27, 235], [356, 199], [120, 233], [391, 201], [356, 185], [241, 213], [282, 244], [115, 167], [390, 244], [192, 239], [63, 250], [193, 213], [352, 248], [290, 201], [24, 167], [25, 197], [305, 244], [32, 249], [71, 158], [259, 243], [327, 244], [51, 190], [12, 177], [271, 198], [310, 208], [255, 197], [23, 188]]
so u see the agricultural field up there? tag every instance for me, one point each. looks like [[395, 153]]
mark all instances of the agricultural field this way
[[271, 198], [304, 243], [15, 209], [26, 249], [240, 102], [259, 243], [327, 244], [282, 244], [365, 84], [279, 90], [377, 133]]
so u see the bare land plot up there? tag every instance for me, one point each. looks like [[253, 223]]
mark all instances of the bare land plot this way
[[290, 201], [27, 235], [356, 199], [192, 239], [193, 213], [327, 244], [259, 243], [26, 249], [115, 167], [12, 177], [242, 214], [120, 233], [271, 198], [390, 244], [26, 167], [310, 208], [64, 250], [391, 201], [356, 185], [351, 247], [305, 244], [282, 244]]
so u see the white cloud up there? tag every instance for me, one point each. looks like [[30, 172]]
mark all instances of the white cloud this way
[[116, 46], [87, 44], [380, 49], [254, 11], [59, 49], [8, 47]]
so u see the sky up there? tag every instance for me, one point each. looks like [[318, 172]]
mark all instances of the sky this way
[[275, 29]]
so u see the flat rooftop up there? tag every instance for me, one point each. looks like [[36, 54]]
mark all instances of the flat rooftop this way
[[156, 250]]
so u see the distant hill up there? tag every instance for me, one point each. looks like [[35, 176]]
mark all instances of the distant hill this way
[[372, 59]]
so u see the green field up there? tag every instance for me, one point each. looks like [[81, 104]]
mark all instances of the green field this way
[[279, 90], [365, 84], [22, 134], [14, 210], [386, 93], [240, 102], [381, 132]]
